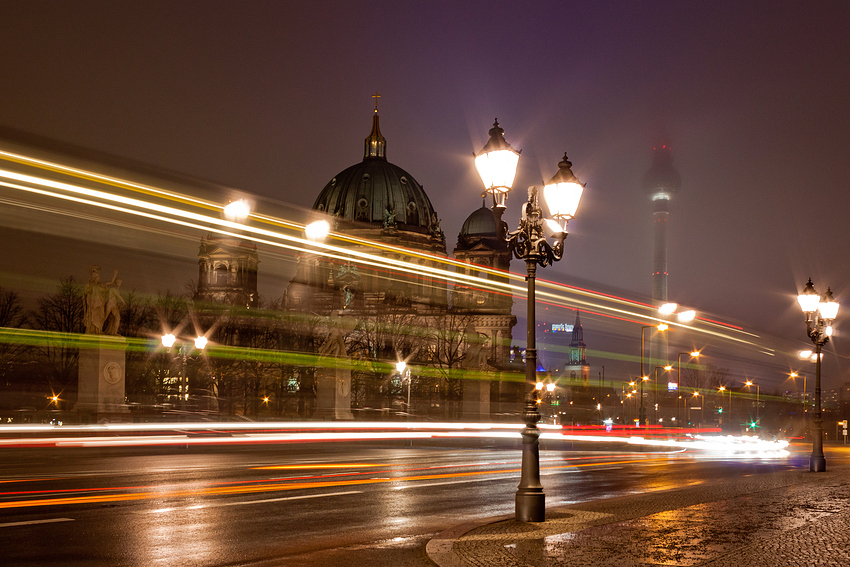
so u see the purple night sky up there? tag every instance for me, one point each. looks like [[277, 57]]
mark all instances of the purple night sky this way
[[273, 98]]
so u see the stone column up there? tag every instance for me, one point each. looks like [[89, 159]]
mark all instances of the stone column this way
[[333, 392], [100, 385]]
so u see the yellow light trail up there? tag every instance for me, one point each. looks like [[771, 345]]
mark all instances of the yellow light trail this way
[[283, 486]]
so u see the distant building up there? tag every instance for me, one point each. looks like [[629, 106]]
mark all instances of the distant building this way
[[577, 368]]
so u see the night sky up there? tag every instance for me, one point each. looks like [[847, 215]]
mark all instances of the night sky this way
[[274, 98]]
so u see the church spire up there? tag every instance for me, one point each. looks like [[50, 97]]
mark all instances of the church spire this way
[[376, 144]]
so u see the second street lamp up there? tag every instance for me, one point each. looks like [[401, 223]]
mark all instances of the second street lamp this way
[[497, 163], [819, 312]]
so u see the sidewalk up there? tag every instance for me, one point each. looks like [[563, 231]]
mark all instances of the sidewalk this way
[[789, 518]]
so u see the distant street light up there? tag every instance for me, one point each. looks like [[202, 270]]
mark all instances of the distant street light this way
[[693, 354], [404, 372], [805, 394], [660, 327], [820, 311], [497, 164], [758, 389], [655, 397]]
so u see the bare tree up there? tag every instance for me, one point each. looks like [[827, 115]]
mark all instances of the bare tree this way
[[12, 316], [61, 312], [446, 347]]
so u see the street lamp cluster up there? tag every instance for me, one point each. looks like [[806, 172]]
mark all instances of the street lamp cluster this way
[[820, 311], [497, 165], [199, 342]]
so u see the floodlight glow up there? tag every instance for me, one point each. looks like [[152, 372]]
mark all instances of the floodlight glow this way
[[668, 308], [687, 316], [168, 340], [317, 230], [237, 210], [200, 342]]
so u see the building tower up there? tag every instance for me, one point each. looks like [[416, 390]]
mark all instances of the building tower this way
[[577, 369], [227, 271], [661, 182]]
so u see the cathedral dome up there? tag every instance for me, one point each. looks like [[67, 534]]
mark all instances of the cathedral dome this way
[[481, 223], [378, 192], [662, 180]]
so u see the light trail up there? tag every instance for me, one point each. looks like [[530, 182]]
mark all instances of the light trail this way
[[558, 294], [159, 494]]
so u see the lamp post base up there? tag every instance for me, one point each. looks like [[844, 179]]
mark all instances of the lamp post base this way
[[817, 463], [530, 505]]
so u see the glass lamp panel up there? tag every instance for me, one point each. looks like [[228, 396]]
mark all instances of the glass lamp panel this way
[[497, 168], [828, 309], [808, 302], [563, 198], [809, 299]]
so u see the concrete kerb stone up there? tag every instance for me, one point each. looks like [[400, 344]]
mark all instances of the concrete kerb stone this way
[[505, 542]]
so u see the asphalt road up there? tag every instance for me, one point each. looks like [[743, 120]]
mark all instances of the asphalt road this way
[[328, 504]]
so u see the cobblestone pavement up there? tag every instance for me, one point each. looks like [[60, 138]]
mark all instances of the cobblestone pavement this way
[[794, 518]]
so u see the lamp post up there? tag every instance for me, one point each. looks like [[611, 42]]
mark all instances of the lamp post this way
[[497, 164], [803, 397], [693, 354], [819, 312], [750, 384], [697, 395], [655, 397], [643, 377], [200, 343]]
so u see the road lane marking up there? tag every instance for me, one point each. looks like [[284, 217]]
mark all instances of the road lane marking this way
[[33, 522], [425, 484], [264, 501]]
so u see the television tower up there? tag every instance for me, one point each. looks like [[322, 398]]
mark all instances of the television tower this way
[[661, 182]]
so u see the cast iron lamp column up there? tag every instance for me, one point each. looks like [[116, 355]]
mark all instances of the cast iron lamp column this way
[[497, 163], [819, 312]]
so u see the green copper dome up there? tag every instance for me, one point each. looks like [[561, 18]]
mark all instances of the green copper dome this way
[[378, 193]]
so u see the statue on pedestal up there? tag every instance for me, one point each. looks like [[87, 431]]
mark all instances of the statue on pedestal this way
[[102, 300]]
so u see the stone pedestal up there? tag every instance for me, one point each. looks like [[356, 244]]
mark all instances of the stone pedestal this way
[[100, 386], [476, 400], [333, 393]]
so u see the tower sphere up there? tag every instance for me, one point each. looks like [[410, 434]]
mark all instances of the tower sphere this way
[[662, 180]]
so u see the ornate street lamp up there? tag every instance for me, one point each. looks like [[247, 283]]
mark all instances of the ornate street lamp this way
[[819, 312], [200, 343], [497, 164]]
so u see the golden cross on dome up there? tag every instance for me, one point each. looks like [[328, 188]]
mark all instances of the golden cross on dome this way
[[376, 96]]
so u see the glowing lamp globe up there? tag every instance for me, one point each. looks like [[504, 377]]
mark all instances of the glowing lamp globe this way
[[497, 164], [563, 193], [809, 299]]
